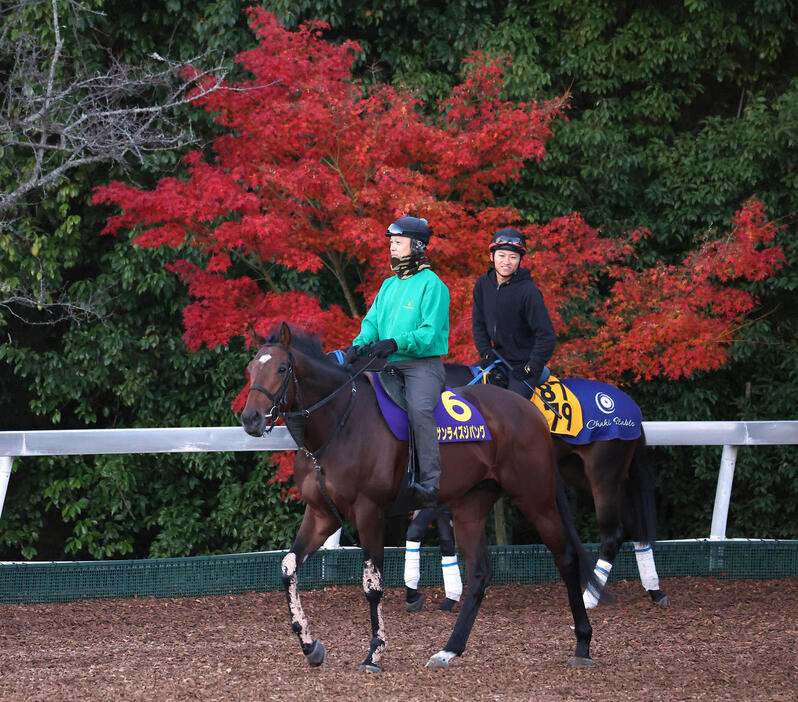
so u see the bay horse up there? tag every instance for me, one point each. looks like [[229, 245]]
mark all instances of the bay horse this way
[[349, 466], [617, 475]]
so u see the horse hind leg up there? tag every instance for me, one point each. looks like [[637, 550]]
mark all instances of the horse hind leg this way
[[644, 555], [549, 514], [642, 485], [611, 540], [470, 515], [606, 465]]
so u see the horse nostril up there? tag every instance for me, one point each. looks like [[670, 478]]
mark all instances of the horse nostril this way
[[248, 416]]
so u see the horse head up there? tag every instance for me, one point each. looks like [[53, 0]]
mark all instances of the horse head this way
[[271, 390]]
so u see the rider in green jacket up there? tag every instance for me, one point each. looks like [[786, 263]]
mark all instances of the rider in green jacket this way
[[408, 324]]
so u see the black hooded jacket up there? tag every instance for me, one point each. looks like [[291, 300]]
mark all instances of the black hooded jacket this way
[[512, 316]]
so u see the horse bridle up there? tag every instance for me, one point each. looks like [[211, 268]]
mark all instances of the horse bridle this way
[[281, 397], [295, 421]]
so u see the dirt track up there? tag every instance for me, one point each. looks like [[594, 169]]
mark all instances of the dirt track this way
[[721, 640]]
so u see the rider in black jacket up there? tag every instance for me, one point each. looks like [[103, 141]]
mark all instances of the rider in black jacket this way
[[509, 316]]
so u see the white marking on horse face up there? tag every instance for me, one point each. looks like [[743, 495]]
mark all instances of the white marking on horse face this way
[[265, 358]]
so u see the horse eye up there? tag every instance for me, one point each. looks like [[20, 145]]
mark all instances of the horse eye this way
[[282, 369]]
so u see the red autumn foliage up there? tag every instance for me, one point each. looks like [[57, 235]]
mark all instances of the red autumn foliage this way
[[312, 167]]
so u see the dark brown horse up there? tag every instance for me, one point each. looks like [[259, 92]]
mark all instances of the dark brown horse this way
[[617, 475], [350, 467]]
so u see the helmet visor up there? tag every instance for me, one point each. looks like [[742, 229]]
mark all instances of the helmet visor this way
[[396, 230], [508, 240]]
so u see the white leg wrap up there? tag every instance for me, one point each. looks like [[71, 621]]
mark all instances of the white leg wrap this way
[[333, 540], [452, 583], [412, 563], [645, 564], [602, 572]]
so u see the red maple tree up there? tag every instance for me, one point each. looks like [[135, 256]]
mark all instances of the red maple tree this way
[[312, 166]]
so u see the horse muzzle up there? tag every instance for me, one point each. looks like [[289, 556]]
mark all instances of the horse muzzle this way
[[253, 421]]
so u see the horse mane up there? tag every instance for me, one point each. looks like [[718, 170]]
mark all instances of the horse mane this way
[[308, 344]]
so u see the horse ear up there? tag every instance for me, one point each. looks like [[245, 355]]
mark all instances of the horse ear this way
[[256, 338], [285, 334]]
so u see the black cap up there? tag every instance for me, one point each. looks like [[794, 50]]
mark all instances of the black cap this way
[[412, 227]]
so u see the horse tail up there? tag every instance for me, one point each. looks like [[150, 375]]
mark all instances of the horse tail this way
[[587, 576], [641, 496]]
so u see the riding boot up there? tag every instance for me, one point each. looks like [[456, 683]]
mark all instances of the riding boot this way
[[424, 382], [422, 496]]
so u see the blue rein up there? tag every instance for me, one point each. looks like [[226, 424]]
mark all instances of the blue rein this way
[[482, 372]]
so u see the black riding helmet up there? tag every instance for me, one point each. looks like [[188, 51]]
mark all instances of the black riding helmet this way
[[412, 227], [508, 239]]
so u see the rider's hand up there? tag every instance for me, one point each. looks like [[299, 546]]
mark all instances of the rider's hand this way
[[522, 372], [382, 349], [498, 377], [526, 372], [352, 354], [490, 357]]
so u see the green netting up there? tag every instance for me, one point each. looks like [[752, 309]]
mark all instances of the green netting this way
[[260, 572]]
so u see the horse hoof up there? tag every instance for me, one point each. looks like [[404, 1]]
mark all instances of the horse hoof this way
[[370, 668], [447, 605], [660, 598], [580, 662], [316, 655], [415, 605], [440, 659]]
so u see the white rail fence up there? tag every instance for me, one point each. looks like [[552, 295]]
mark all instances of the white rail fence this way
[[70, 442]]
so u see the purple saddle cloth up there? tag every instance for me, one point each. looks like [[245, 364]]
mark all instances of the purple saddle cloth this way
[[607, 412], [456, 419]]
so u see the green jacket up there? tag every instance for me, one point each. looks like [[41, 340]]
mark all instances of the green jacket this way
[[414, 312]]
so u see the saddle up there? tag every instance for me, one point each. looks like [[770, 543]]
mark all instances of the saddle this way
[[393, 383], [455, 419]]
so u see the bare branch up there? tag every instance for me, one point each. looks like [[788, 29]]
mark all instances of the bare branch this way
[[59, 113], [37, 308], [56, 116]]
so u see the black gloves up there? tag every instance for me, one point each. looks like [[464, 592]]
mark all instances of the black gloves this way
[[526, 372], [520, 372], [498, 376], [352, 354], [490, 357], [381, 349], [376, 349]]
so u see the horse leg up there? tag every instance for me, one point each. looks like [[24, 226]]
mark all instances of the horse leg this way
[[452, 583], [606, 466], [644, 555], [470, 514], [642, 487], [611, 540], [372, 529], [548, 512], [313, 531], [414, 601]]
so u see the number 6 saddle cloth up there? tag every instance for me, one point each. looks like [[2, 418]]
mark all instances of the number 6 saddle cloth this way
[[455, 418], [590, 411]]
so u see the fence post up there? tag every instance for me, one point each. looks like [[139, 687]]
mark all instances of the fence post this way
[[720, 513], [5, 473]]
